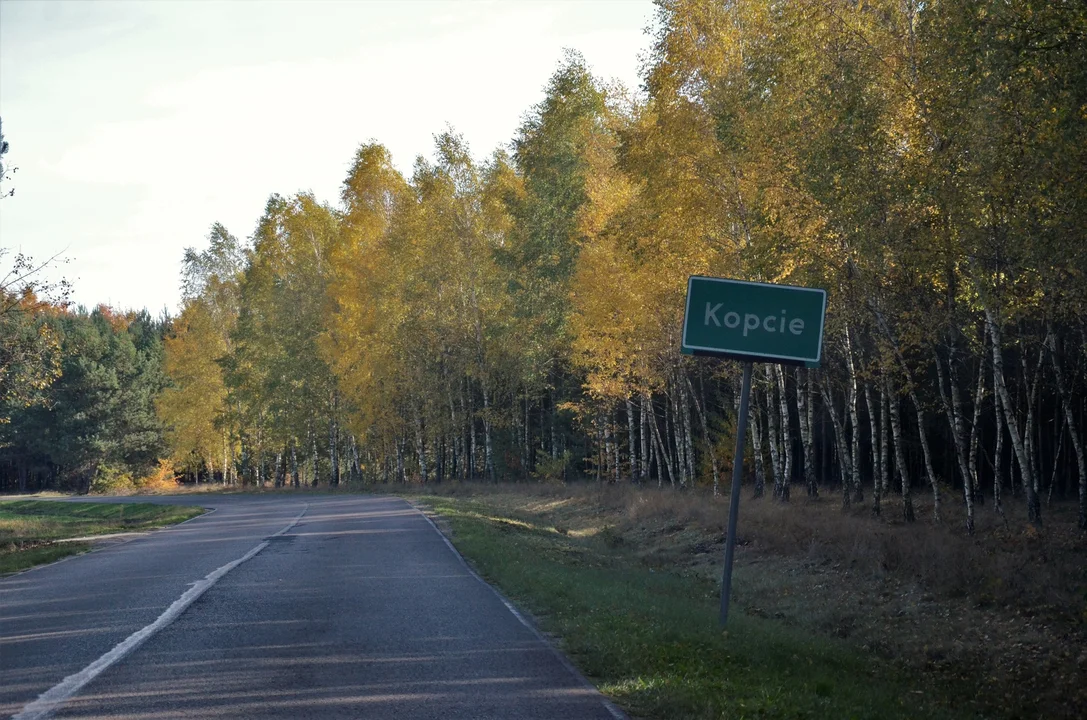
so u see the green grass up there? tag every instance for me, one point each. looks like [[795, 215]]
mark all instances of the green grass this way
[[651, 640], [30, 530]]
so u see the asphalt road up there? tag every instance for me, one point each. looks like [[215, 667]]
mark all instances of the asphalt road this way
[[281, 607]]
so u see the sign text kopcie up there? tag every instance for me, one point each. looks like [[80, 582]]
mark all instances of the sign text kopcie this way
[[754, 321]]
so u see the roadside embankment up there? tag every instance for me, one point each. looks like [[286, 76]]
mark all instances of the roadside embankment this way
[[34, 532], [835, 614]]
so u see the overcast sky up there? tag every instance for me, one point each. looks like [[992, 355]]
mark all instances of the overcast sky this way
[[136, 125]]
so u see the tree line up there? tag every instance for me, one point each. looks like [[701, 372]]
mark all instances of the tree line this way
[[519, 316]]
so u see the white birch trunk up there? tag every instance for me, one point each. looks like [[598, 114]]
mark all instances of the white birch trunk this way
[[643, 434], [953, 410], [674, 423], [294, 466], [420, 447], [700, 407], [333, 453], [688, 440], [488, 448], [900, 459], [854, 421], [774, 433], [756, 443], [786, 435], [662, 452], [803, 411], [877, 451], [885, 440], [1070, 423], [844, 457], [998, 453], [972, 445], [918, 409], [313, 454], [1034, 510]]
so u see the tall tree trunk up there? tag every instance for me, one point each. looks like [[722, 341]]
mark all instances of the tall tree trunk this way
[[998, 454], [662, 451], [294, 466], [706, 439], [467, 449], [643, 435], [456, 445], [473, 457], [854, 421], [1034, 510], [616, 472], [804, 414], [1030, 425], [672, 423], [844, 458], [632, 441], [654, 459], [756, 443], [400, 476], [488, 447], [918, 408], [420, 447], [333, 452], [598, 424], [953, 409], [926, 453], [226, 457], [356, 465], [774, 433], [527, 448], [688, 440], [551, 418], [885, 441], [972, 445], [1032, 428], [877, 451], [900, 459], [1070, 423], [313, 453], [786, 436]]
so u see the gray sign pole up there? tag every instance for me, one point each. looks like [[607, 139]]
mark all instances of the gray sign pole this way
[[734, 504]]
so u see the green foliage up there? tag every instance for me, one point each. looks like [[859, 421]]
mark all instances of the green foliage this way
[[553, 470], [112, 480], [100, 410]]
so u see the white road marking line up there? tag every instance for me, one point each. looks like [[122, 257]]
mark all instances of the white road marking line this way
[[611, 707], [60, 693]]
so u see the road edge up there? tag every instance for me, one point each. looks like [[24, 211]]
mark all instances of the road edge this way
[[523, 617], [96, 546]]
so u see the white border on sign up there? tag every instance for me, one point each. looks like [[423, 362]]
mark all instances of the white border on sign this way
[[687, 310]]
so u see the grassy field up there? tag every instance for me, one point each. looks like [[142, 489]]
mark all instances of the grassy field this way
[[628, 583], [33, 532]]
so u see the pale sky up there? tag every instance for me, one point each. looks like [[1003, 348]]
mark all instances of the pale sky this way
[[136, 125]]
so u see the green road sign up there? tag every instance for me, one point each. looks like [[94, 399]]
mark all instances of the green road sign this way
[[754, 321]]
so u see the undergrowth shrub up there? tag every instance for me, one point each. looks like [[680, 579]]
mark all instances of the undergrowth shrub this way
[[112, 480]]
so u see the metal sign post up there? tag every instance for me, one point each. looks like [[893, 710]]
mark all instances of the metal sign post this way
[[751, 322], [734, 502]]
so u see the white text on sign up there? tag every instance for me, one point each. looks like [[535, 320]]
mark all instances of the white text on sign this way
[[770, 323]]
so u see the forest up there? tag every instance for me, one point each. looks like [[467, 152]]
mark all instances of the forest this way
[[516, 316]]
